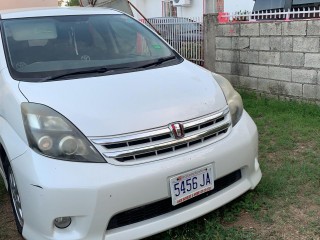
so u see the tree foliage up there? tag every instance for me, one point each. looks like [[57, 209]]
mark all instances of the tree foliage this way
[[73, 3]]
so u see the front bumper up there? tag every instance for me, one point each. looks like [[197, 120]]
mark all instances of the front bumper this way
[[91, 194]]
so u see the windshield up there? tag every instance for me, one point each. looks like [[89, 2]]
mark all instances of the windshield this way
[[42, 48]]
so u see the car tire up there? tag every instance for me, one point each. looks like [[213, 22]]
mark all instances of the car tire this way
[[14, 197]]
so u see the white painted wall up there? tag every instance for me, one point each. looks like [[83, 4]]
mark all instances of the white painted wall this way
[[9, 4], [149, 8], [194, 10], [237, 5], [153, 8]]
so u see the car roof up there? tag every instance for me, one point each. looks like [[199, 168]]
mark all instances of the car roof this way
[[54, 11]]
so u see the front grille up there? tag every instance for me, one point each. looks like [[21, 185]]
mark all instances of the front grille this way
[[160, 141], [165, 206]]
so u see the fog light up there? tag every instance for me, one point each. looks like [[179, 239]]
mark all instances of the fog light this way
[[256, 164], [45, 143], [62, 222], [68, 145]]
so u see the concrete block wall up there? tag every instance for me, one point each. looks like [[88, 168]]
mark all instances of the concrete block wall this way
[[279, 58]]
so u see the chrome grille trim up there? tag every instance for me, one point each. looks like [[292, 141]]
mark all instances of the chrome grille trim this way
[[128, 138], [141, 146], [174, 143], [157, 132], [205, 119]]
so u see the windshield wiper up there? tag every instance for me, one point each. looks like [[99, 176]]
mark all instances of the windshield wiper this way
[[102, 70], [158, 62], [87, 71]]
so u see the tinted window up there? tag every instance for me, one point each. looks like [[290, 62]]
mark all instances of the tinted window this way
[[49, 46]]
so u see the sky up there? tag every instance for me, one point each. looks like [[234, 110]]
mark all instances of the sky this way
[[237, 5]]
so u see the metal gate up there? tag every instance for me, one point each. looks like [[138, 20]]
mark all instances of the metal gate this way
[[183, 34]]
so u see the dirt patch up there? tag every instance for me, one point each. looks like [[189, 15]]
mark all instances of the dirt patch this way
[[304, 147], [8, 230], [287, 224], [273, 157], [245, 221]]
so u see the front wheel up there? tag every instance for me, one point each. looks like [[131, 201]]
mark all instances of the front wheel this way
[[15, 200]]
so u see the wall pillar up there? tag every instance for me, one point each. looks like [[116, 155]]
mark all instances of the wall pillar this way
[[210, 22]]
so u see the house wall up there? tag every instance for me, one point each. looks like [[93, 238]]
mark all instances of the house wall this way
[[196, 9], [27, 3], [238, 5], [280, 58], [153, 8], [149, 8]]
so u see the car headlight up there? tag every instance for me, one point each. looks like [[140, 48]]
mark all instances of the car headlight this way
[[52, 135], [233, 98]]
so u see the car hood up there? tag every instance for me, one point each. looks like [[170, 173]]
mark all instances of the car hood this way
[[130, 102]]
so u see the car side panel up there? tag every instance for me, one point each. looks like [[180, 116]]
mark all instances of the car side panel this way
[[11, 134]]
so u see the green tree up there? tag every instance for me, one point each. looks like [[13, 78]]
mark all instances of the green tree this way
[[73, 3]]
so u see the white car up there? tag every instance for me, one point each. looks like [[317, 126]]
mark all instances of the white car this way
[[107, 133]]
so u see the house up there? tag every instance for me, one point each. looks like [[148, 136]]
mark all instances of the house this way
[[232, 6], [9, 4], [263, 5], [176, 8]]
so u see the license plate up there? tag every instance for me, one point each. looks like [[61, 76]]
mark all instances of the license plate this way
[[191, 184]]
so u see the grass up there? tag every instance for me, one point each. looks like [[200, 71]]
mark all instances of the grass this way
[[286, 203]]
